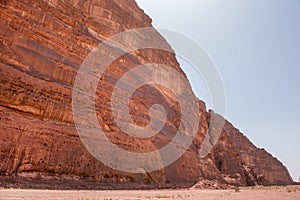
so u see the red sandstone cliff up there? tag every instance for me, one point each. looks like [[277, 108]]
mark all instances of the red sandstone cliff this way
[[43, 43]]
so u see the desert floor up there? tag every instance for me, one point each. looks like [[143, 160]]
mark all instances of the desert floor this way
[[282, 193]]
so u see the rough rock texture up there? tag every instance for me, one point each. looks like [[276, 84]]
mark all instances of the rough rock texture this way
[[241, 163], [43, 43]]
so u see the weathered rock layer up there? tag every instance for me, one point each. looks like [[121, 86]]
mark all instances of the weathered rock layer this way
[[43, 44]]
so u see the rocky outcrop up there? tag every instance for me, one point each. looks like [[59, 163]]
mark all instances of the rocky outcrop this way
[[241, 163], [43, 43]]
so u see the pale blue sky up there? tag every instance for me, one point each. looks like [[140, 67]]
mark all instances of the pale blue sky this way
[[256, 47]]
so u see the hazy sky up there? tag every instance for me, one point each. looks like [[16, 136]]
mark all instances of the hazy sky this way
[[256, 47]]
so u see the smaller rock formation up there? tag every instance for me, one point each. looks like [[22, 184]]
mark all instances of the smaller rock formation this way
[[210, 184]]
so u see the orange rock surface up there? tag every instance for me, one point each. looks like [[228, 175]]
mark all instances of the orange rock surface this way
[[43, 43]]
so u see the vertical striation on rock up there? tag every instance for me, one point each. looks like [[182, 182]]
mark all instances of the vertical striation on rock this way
[[43, 43]]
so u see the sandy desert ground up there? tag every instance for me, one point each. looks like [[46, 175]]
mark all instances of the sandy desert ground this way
[[259, 193]]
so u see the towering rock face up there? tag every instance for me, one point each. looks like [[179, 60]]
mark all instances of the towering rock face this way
[[43, 44]]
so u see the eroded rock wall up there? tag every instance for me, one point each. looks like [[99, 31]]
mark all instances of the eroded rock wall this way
[[43, 43]]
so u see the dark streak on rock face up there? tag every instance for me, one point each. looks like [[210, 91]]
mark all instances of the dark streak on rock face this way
[[42, 45]]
